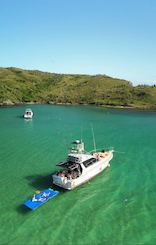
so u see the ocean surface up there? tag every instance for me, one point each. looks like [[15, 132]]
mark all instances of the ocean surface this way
[[118, 207]]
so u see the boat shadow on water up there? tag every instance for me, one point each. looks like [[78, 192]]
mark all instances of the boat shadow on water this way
[[19, 116], [23, 209], [40, 183]]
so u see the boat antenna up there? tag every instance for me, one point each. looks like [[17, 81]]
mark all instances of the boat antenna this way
[[81, 133], [93, 138]]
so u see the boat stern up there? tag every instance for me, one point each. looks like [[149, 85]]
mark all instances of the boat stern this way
[[62, 182]]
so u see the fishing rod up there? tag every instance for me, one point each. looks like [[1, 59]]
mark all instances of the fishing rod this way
[[93, 138]]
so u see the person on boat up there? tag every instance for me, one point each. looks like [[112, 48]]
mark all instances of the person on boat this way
[[61, 173], [45, 194], [69, 176], [41, 199], [34, 199]]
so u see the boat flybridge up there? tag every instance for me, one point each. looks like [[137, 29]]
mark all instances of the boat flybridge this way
[[81, 166], [28, 114]]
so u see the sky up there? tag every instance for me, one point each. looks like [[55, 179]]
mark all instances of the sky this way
[[112, 37]]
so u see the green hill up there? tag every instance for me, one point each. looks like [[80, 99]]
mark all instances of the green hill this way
[[23, 86]]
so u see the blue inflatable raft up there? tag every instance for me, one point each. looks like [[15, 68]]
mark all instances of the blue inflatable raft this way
[[38, 199]]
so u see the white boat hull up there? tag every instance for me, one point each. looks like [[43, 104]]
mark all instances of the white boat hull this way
[[28, 117], [88, 173]]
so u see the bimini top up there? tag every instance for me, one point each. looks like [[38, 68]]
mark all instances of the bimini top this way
[[77, 155]]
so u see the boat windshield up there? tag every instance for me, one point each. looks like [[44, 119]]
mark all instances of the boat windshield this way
[[28, 112], [89, 162]]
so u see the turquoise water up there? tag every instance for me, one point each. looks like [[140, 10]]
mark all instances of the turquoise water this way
[[116, 207]]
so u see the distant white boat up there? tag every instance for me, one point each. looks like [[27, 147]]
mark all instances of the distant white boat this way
[[81, 166], [28, 114]]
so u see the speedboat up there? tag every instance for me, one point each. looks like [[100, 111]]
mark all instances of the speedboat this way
[[81, 166], [28, 114]]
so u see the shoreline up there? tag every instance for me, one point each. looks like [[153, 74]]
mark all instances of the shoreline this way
[[143, 108]]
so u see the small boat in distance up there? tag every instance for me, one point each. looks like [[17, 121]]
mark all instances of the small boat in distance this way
[[81, 166], [28, 114]]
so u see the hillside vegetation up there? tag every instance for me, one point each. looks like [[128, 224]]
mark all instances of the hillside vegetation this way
[[23, 86]]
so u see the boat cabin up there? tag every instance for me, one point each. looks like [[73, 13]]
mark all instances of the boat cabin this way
[[28, 114], [77, 161]]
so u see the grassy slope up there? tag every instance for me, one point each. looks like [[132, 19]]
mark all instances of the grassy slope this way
[[17, 85]]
